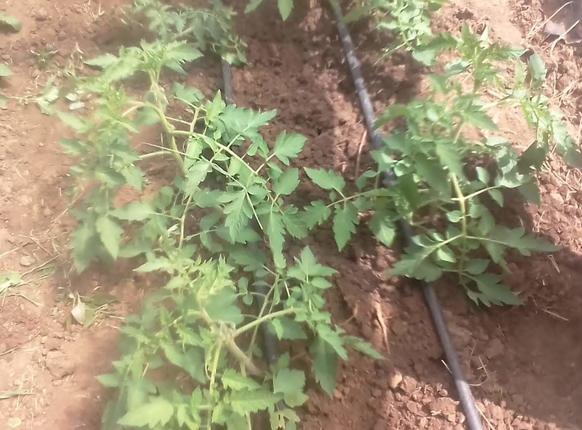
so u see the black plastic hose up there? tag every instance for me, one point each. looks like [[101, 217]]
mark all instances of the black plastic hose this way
[[269, 340], [473, 419]]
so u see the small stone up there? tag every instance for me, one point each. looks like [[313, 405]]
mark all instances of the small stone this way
[[395, 379], [444, 406], [26, 261], [409, 385], [494, 349], [41, 14]]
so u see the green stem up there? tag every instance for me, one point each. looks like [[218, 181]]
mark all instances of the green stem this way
[[463, 208], [375, 192], [263, 319]]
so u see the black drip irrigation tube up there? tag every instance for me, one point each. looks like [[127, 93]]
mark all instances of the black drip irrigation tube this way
[[269, 340], [473, 419]]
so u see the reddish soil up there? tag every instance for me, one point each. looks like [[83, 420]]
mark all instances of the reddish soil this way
[[523, 362]]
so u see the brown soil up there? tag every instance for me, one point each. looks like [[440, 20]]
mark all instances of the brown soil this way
[[522, 361]]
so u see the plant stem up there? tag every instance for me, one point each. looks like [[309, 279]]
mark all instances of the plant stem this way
[[463, 208], [263, 319]]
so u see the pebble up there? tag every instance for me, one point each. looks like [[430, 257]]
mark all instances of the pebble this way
[[409, 385], [26, 261], [41, 14], [395, 379]]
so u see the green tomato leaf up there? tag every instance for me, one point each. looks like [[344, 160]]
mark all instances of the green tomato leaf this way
[[102, 62], [110, 234], [285, 8], [537, 68], [134, 211], [364, 347], [287, 182], [326, 179], [157, 412], [345, 221], [245, 402], [491, 287], [236, 382], [324, 365], [315, 214], [252, 5], [275, 233], [288, 146], [383, 228], [290, 383]]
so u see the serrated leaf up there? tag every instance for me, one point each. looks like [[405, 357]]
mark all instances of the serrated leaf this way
[[433, 174], [490, 285], [537, 68], [287, 182], [450, 157], [10, 23], [157, 412], [287, 329], [413, 266], [245, 402], [324, 365], [110, 380], [235, 381], [134, 211], [285, 7], [315, 214], [363, 347], [222, 307], [326, 179], [290, 383], [333, 339], [77, 124], [110, 234], [345, 221], [102, 61], [275, 233], [383, 228], [288, 146]]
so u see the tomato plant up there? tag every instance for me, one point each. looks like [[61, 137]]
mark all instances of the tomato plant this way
[[212, 235]]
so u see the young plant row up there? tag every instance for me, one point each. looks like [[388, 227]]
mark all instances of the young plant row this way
[[212, 237], [452, 164]]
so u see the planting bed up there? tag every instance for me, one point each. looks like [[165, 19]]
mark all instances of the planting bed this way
[[522, 362]]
